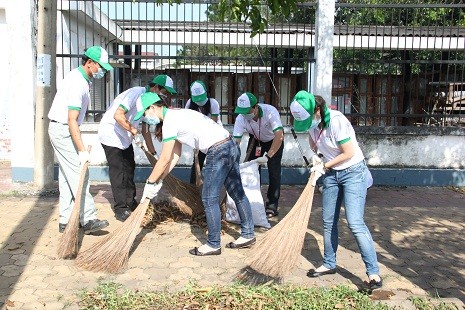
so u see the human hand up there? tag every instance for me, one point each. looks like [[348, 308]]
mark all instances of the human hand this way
[[263, 159], [83, 157], [139, 140], [318, 168], [151, 190]]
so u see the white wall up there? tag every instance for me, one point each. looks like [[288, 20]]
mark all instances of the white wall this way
[[5, 133]]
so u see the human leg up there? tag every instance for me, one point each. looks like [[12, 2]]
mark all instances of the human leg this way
[[116, 171], [274, 176], [129, 168], [354, 183]]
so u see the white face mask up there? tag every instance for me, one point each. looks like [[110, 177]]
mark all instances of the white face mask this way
[[151, 120], [249, 116], [315, 122], [99, 74]]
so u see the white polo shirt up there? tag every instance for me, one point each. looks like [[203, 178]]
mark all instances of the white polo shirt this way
[[72, 94], [328, 140], [192, 128], [214, 108], [263, 128], [111, 133]]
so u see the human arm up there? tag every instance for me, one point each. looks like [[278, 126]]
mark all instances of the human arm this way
[[74, 130], [120, 118], [277, 142], [347, 152], [164, 163]]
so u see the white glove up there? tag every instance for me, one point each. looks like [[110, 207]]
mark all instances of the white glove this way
[[139, 140], [318, 168], [262, 160], [151, 190], [83, 157]]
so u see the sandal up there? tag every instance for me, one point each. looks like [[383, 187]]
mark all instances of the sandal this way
[[232, 245], [195, 251], [271, 212]]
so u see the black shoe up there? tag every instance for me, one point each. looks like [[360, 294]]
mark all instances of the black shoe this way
[[122, 216], [195, 251], [133, 205], [95, 225], [232, 245], [314, 274], [62, 227], [375, 284]]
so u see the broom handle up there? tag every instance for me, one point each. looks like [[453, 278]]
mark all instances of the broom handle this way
[[300, 148], [78, 197]]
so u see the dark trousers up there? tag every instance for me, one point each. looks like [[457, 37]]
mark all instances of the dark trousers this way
[[201, 156], [121, 166], [274, 170]]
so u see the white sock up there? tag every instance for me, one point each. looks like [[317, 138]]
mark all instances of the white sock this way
[[205, 248], [375, 277], [322, 268], [242, 240]]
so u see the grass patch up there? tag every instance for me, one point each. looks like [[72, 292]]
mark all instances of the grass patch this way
[[110, 295], [421, 303]]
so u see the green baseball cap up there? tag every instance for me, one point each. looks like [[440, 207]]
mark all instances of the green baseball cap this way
[[144, 102], [198, 92], [99, 55], [165, 81], [245, 102], [302, 108]]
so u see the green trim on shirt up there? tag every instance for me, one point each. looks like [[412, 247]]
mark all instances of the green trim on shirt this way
[[84, 74], [164, 110], [237, 137], [260, 111], [74, 108], [277, 129], [169, 139], [215, 115], [343, 141], [124, 108]]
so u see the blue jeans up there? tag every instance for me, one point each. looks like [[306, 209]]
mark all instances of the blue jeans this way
[[222, 168], [348, 186]]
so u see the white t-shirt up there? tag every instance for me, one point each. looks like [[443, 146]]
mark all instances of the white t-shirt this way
[[214, 108], [264, 128], [111, 133], [192, 128], [340, 130], [72, 94]]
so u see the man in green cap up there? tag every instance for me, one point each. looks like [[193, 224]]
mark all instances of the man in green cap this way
[[66, 114], [117, 130]]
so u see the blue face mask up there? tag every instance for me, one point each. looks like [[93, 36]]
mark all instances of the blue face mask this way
[[249, 116], [151, 120], [99, 74], [315, 123]]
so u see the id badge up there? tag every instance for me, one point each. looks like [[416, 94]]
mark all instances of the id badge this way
[[258, 151]]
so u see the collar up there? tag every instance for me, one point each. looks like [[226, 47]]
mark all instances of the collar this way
[[164, 110], [84, 74]]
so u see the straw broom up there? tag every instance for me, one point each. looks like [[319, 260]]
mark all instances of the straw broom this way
[[111, 254], [277, 252], [68, 245]]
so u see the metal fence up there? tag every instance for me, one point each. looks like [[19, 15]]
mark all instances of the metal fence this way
[[394, 65]]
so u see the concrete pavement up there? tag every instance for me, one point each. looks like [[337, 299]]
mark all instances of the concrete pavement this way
[[418, 232]]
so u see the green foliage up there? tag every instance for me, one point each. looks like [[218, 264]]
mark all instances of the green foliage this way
[[238, 296], [429, 304]]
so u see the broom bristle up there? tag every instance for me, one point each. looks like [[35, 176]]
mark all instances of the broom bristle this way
[[111, 254], [68, 245], [277, 252]]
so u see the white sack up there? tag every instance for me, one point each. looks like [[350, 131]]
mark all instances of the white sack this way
[[251, 183]]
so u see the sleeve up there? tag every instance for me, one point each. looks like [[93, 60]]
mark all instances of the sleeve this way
[[129, 98], [239, 127], [169, 132], [275, 120], [188, 104], [74, 96], [342, 129], [215, 107]]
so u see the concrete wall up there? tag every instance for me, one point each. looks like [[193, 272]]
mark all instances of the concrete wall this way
[[400, 156]]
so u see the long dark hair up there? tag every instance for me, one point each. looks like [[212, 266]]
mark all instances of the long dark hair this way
[[324, 111], [205, 109]]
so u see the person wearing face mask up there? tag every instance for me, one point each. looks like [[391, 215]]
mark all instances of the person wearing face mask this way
[[263, 123], [185, 126], [200, 102], [343, 171], [117, 130], [66, 114]]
